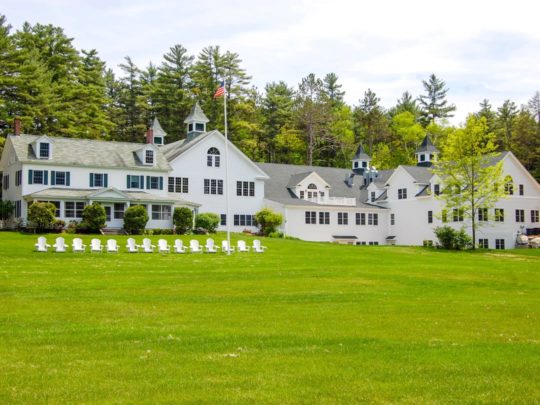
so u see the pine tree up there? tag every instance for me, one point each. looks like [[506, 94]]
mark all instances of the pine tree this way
[[434, 104], [333, 89], [534, 106], [407, 103], [133, 125], [371, 123], [505, 119]]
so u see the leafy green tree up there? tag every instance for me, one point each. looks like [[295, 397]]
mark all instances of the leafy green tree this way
[[268, 220], [94, 217], [135, 219], [183, 220], [41, 215], [434, 104], [207, 221], [467, 171]]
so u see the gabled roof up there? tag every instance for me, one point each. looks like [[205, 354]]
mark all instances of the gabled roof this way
[[196, 115], [420, 174], [156, 128], [361, 154], [298, 178], [426, 146], [88, 153], [382, 177], [383, 196], [175, 149], [424, 192]]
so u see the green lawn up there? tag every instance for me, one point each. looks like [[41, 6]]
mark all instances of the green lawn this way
[[301, 323]]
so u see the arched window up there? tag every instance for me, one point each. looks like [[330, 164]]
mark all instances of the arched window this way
[[508, 185], [312, 194], [212, 157], [312, 186]]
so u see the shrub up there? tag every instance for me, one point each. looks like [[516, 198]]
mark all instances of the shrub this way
[[208, 221], [41, 215], [6, 209], [276, 234], [135, 219], [449, 238], [268, 220], [183, 220], [94, 217]]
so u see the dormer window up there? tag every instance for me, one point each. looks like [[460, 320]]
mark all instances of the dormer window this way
[[158, 140], [149, 157], [212, 157], [44, 150], [199, 127]]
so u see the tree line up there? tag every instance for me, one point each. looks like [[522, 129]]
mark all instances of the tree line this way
[[59, 90]]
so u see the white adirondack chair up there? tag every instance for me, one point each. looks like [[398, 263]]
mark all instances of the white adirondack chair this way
[[147, 246], [112, 246], [194, 246], [211, 246], [95, 246], [41, 245], [60, 245], [179, 246], [131, 246], [225, 248], [257, 247], [241, 246], [78, 246], [163, 246]]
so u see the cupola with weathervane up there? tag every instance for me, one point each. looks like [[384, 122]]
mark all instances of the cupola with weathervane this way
[[360, 161], [196, 122], [426, 153]]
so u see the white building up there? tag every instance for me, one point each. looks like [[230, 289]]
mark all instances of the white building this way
[[358, 206]]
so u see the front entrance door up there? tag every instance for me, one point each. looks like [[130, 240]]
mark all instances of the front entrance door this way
[[111, 221]]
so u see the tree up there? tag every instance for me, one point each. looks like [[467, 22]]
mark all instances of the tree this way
[[467, 171], [6, 210], [132, 126], [41, 215], [268, 220], [135, 219], [505, 120], [370, 121], [407, 103], [434, 104], [333, 89], [487, 112], [183, 220], [534, 106], [94, 217]]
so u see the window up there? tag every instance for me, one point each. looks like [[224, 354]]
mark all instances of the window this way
[[5, 183], [436, 189], [190, 127], [199, 127], [373, 196], [158, 140], [520, 215], [534, 216], [508, 185], [149, 157], [244, 220], [482, 214], [18, 177], [343, 218], [422, 158], [212, 157], [392, 219], [223, 219], [178, 185], [73, 209], [100, 180], [161, 212], [402, 193], [521, 190], [499, 215], [135, 181], [56, 204], [373, 243], [38, 177], [356, 164], [44, 150], [245, 188], [213, 186], [430, 217], [119, 210], [457, 215], [311, 217], [373, 219], [324, 218], [154, 183], [60, 178], [499, 243], [360, 218], [301, 195], [18, 209], [483, 244]]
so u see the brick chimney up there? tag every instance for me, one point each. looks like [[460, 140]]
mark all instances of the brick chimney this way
[[150, 136], [17, 126]]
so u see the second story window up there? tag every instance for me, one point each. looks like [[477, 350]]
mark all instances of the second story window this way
[[38, 177], [436, 189], [245, 188], [60, 178], [154, 183], [520, 215], [402, 193], [135, 181], [149, 157], [212, 157], [44, 150], [499, 215], [99, 180], [213, 186]]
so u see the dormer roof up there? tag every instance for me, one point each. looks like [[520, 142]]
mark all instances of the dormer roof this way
[[196, 115], [156, 128], [361, 154], [427, 146]]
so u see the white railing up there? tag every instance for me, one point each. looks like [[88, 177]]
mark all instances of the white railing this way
[[333, 200]]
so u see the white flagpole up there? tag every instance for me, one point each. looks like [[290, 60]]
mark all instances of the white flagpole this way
[[227, 216]]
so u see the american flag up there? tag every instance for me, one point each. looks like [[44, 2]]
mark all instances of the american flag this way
[[220, 91]]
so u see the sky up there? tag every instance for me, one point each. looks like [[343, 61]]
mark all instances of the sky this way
[[481, 49]]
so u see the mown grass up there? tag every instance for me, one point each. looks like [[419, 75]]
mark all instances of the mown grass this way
[[301, 323]]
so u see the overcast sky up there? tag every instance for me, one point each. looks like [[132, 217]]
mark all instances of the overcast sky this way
[[481, 49]]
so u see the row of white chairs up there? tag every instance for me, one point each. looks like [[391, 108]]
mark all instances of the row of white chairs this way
[[111, 246]]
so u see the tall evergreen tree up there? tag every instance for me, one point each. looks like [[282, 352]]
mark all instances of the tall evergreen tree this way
[[371, 123], [434, 104], [333, 89], [133, 123], [406, 103], [505, 119], [534, 106]]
